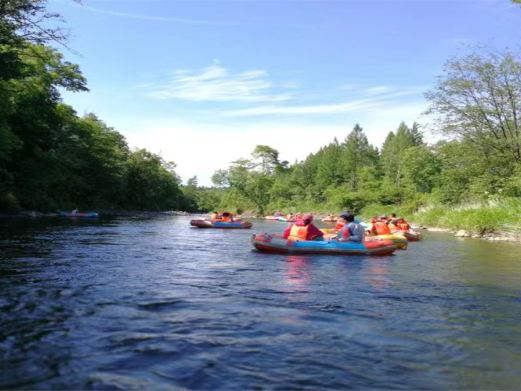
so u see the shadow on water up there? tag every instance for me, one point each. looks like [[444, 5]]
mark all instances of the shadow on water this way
[[155, 304]]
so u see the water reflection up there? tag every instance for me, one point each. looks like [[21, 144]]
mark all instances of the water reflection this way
[[377, 273], [297, 271]]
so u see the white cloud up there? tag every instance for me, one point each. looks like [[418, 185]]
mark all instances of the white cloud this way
[[378, 90], [200, 149], [388, 96], [309, 109], [216, 84]]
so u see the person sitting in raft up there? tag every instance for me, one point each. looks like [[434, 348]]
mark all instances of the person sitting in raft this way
[[392, 219], [373, 220], [340, 222], [351, 231], [75, 211], [227, 217], [380, 227], [214, 216], [402, 225], [303, 229]]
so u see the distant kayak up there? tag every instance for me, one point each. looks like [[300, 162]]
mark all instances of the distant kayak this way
[[285, 220], [79, 214], [329, 220], [221, 224], [279, 245]]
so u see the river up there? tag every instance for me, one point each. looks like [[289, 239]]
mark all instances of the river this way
[[156, 304]]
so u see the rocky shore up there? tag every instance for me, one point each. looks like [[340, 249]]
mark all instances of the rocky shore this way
[[497, 236]]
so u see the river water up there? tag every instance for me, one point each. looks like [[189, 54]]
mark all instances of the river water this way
[[156, 304]]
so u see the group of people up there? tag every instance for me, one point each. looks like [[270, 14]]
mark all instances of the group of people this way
[[225, 217], [348, 229], [384, 225]]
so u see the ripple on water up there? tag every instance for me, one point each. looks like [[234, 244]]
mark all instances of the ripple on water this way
[[153, 304]]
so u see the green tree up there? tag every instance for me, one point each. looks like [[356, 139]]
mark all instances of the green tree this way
[[149, 184], [357, 153], [479, 100]]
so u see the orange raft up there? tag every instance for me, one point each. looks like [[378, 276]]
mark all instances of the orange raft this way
[[221, 224], [278, 245]]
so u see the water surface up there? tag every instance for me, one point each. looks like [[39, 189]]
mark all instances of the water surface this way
[[156, 304]]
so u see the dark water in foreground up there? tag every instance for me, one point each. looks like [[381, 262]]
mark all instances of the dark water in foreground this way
[[155, 304]]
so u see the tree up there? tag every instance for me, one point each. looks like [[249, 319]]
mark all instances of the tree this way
[[266, 158], [421, 169], [28, 20], [479, 100], [149, 184], [357, 153], [393, 151]]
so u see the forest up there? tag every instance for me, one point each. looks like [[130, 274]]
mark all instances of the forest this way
[[51, 158]]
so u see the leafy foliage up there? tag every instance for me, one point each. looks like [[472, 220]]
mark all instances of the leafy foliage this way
[[49, 157]]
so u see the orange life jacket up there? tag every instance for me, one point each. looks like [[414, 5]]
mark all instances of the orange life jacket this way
[[380, 228], [404, 226], [339, 226], [298, 232], [226, 219]]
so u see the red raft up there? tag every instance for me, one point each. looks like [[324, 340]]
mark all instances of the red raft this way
[[276, 244], [221, 224]]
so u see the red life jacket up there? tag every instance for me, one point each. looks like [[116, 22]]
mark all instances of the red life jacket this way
[[339, 226], [380, 228]]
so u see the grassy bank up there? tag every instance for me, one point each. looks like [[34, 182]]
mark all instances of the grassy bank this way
[[484, 217]]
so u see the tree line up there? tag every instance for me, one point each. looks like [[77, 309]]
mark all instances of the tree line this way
[[475, 104], [51, 158]]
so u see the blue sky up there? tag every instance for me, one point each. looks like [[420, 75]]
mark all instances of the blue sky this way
[[203, 82]]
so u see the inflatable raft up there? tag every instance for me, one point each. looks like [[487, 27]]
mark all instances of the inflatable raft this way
[[410, 235], [221, 224], [79, 214], [398, 240], [275, 244]]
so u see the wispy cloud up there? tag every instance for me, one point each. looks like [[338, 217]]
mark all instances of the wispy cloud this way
[[153, 18], [378, 97], [215, 83]]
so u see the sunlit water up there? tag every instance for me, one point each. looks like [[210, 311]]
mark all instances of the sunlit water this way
[[155, 304]]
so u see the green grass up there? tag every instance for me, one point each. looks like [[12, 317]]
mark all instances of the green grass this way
[[487, 217]]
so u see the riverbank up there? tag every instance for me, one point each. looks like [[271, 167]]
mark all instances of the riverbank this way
[[102, 213], [496, 220]]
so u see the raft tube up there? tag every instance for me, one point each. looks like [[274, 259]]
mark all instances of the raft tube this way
[[278, 245], [221, 224], [79, 214], [398, 240], [410, 235]]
